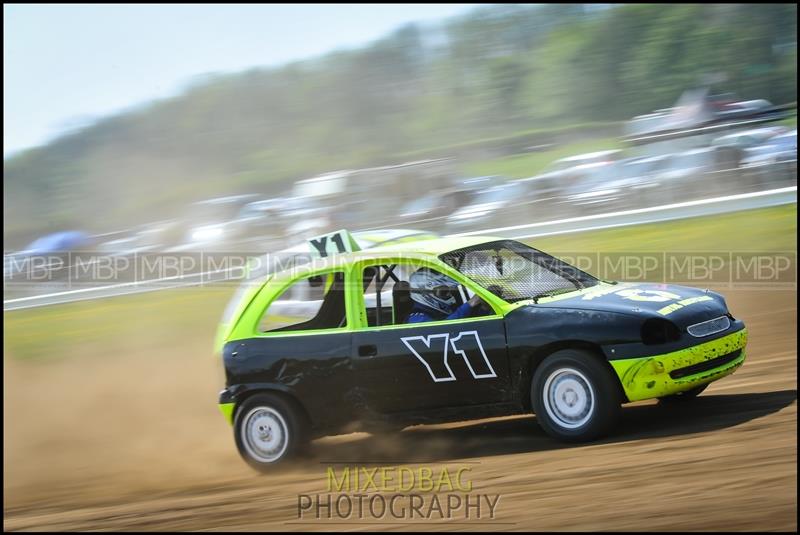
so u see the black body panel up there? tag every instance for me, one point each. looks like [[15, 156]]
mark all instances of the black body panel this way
[[395, 380], [316, 370]]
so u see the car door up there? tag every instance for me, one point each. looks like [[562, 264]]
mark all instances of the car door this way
[[439, 364]]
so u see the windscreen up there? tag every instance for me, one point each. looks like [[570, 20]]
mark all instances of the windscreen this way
[[515, 272]]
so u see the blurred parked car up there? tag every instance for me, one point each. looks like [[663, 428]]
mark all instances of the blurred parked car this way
[[367, 197], [505, 204], [644, 124], [149, 237], [693, 174], [46, 252], [742, 108], [550, 187], [431, 206], [731, 147], [748, 138], [617, 185], [597, 185], [214, 223], [443, 202], [564, 164], [262, 219], [773, 161], [68, 240], [304, 217], [562, 172]]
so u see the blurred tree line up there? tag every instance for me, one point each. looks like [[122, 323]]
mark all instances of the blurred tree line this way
[[492, 72]]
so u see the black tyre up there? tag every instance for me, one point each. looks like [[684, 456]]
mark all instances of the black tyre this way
[[268, 430], [575, 396], [687, 395]]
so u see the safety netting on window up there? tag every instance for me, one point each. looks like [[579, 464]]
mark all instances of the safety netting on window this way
[[515, 272]]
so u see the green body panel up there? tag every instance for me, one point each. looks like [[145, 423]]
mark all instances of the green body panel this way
[[648, 377], [227, 411], [244, 322], [229, 323]]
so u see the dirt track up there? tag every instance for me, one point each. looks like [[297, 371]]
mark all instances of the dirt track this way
[[118, 443]]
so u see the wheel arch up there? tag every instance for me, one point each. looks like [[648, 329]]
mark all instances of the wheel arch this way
[[535, 359], [287, 396]]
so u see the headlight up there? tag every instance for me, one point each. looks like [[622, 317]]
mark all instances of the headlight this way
[[656, 331]]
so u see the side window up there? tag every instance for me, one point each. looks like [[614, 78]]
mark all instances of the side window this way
[[393, 295], [311, 303]]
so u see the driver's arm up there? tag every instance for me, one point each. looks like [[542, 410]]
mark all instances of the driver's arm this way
[[465, 309]]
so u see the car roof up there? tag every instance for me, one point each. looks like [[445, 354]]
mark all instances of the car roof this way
[[433, 247], [422, 250], [376, 236]]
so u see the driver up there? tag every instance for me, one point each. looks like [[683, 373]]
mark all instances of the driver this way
[[434, 297]]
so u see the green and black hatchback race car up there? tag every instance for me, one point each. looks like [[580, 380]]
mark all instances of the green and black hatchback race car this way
[[325, 341]]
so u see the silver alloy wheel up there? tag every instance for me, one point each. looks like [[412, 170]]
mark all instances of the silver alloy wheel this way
[[568, 398], [265, 434]]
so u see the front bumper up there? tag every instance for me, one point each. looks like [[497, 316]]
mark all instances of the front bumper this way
[[670, 373]]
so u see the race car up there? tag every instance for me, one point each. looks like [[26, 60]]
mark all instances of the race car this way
[[539, 336]]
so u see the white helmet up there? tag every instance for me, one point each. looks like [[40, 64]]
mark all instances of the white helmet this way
[[434, 290]]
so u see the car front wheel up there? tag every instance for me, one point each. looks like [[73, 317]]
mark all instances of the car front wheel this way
[[575, 396], [268, 431]]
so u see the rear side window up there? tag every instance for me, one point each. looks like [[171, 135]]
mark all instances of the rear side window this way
[[308, 304]]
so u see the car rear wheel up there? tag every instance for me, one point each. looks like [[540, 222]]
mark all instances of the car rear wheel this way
[[575, 396], [686, 395], [268, 430]]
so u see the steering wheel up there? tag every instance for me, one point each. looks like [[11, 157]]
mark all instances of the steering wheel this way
[[483, 309]]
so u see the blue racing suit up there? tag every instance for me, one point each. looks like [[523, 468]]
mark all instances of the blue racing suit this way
[[420, 315]]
